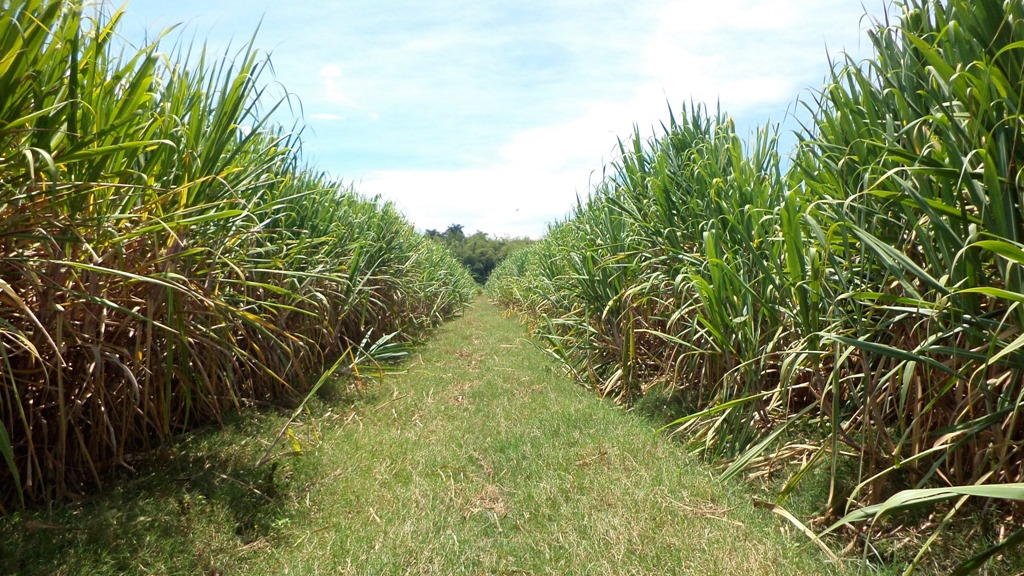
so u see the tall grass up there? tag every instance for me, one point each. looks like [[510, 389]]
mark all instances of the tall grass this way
[[165, 255], [859, 310]]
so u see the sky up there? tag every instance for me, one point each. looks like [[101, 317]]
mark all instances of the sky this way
[[497, 115]]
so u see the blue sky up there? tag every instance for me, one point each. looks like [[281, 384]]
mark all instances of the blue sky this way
[[496, 114]]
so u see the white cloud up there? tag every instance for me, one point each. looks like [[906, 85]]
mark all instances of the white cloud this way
[[330, 76], [499, 200], [530, 95], [746, 53], [733, 15], [741, 53]]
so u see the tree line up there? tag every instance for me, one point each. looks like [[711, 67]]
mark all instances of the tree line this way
[[479, 252]]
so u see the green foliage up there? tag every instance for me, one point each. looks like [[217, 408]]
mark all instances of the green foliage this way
[[476, 459], [863, 304], [165, 257], [479, 253]]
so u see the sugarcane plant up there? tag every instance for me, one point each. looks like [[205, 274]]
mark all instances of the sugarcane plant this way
[[166, 256], [854, 310]]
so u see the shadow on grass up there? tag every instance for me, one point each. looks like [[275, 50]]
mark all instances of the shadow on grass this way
[[196, 507]]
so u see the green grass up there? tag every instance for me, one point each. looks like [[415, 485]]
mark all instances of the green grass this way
[[166, 255], [853, 311], [479, 459]]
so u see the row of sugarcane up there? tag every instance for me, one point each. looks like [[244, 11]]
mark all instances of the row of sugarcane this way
[[854, 308], [166, 257]]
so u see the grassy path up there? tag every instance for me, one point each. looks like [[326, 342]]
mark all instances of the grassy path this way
[[480, 459]]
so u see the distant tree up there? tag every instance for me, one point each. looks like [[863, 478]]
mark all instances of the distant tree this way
[[454, 233], [479, 253]]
